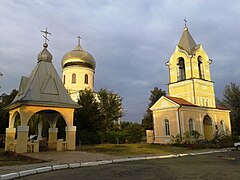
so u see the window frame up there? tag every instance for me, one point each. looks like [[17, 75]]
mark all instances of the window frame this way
[[86, 79], [167, 127], [74, 78], [222, 126], [191, 126]]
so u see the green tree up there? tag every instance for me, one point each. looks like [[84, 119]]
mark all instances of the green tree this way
[[86, 117], [232, 101], [5, 100], [156, 94], [110, 106], [99, 113]]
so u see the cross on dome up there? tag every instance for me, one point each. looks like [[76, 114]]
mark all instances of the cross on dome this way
[[79, 38]]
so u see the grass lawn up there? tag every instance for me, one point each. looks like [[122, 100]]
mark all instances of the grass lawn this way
[[133, 149], [10, 158]]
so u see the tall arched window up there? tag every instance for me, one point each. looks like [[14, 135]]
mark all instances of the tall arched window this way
[[191, 126], [73, 78], [86, 79], [222, 127], [200, 68], [181, 69], [64, 79], [167, 129]]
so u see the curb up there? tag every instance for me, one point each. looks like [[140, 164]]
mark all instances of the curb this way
[[97, 163]]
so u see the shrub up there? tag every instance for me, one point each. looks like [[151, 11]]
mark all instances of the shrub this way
[[135, 133], [193, 141], [87, 137]]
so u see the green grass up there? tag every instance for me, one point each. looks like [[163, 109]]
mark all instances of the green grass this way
[[10, 158], [133, 149]]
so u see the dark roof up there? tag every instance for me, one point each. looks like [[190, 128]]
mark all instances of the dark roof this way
[[221, 107], [183, 102], [180, 101]]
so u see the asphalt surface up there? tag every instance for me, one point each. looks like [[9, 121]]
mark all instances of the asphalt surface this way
[[210, 166]]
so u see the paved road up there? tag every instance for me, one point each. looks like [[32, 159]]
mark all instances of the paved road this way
[[211, 166]]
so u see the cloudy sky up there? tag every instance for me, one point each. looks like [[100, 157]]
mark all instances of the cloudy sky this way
[[130, 40]]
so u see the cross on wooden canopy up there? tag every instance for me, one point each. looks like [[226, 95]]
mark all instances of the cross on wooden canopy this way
[[45, 36]]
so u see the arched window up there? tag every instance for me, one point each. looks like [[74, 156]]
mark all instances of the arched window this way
[[191, 126], [64, 79], [167, 129], [207, 120], [73, 78], [222, 127], [200, 68], [86, 79], [181, 69]]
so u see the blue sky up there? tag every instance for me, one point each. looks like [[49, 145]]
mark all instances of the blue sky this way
[[130, 40]]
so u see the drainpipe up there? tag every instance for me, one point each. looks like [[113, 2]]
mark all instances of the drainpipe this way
[[169, 77], [179, 121]]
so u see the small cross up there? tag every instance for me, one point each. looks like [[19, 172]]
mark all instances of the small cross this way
[[185, 20], [45, 36], [79, 37]]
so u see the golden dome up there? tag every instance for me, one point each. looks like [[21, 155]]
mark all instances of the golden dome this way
[[78, 57]]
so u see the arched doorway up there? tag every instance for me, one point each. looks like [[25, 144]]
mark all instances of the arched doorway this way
[[48, 127], [207, 126]]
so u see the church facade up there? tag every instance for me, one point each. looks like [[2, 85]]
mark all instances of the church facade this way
[[190, 104]]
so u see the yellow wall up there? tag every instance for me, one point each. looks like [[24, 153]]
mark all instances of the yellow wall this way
[[179, 120]]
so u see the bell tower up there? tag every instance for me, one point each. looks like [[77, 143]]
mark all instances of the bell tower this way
[[189, 72]]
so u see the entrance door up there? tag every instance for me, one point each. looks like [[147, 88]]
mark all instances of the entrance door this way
[[207, 125]]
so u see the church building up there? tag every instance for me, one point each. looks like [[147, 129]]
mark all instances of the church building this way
[[190, 104], [78, 69]]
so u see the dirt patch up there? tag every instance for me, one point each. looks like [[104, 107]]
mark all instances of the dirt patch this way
[[10, 158]]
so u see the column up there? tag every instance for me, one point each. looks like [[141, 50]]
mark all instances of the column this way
[[52, 138], [22, 139], [40, 126], [71, 137], [10, 137]]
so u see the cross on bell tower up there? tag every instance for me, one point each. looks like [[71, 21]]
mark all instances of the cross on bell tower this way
[[185, 22]]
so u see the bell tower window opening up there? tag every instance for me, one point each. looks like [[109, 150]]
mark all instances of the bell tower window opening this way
[[73, 78], [200, 68], [86, 79], [181, 69], [64, 79]]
